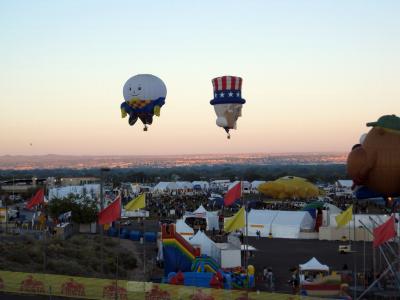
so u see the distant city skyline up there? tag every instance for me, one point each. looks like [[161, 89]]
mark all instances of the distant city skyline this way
[[314, 73], [13, 162]]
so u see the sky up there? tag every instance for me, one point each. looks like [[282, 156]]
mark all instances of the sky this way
[[314, 73]]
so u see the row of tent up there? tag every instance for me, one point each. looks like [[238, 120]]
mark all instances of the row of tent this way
[[275, 223], [169, 186]]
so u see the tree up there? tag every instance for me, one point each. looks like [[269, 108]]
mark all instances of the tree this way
[[83, 210]]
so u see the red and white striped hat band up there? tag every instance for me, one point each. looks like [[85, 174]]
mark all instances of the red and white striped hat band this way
[[227, 83]]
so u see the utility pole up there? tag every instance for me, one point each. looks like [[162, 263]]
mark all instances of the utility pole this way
[[102, 170]]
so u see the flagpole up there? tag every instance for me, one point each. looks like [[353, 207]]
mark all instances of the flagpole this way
[[102, 170], [246, 247], [384, 256], [144, 251], [354, 250], [117, 268]]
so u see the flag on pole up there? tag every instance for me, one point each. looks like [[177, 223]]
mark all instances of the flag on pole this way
[[233, 194], [236, 222], [137, 203], [345, 217], [37, 199], [384, 232], [111, 213]]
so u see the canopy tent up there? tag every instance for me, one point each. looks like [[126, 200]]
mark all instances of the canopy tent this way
[[184, 229], [247, 248], [206, 245], [281, 224], [313, 265], [201, 213]]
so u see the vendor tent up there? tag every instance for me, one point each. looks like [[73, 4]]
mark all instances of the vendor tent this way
[[184, 229], [210, 217], [280, 224], [206, 245], [313, 265]]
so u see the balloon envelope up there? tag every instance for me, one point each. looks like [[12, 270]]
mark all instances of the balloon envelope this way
[[289, 187]]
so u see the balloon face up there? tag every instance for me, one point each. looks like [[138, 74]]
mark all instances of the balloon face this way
[[144, 96], [144, 87], [227, 115]]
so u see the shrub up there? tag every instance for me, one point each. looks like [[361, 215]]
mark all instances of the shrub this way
[[109, 243], [19, 255], [65, 267], [128, 260]]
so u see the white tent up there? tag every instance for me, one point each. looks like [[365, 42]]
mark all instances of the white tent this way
[[211, 218], [89, 190], [313, 265], [281, 224], [184, 185], [164, 187], [288, 224], [201, 185], [206, 245], [333, 209], [184, 229], [366, 219], [254, 185]]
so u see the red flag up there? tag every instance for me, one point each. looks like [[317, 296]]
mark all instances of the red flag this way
[[111, 213], [233, 194], [37, 199], [384, 232]]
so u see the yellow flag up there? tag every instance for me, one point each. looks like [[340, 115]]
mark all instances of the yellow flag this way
[[345, 217], [137, 203], [236, 222]]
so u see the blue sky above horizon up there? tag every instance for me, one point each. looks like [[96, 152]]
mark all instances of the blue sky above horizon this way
[[314, 72]]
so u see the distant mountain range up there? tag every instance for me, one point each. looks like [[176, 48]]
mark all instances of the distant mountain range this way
[[52, 161]]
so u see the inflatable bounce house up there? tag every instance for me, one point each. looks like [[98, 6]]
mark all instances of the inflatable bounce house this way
[[184, 265]]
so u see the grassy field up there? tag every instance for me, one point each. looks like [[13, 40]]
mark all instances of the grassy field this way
[[78, 256]]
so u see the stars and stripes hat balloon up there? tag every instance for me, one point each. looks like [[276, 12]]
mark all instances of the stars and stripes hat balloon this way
[[227, 89], [227, 101]]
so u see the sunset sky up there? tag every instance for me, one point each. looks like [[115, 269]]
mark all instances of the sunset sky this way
[[314, 72]]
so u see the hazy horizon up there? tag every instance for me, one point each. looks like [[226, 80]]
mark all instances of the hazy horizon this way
[[314, 73], [183, 154]]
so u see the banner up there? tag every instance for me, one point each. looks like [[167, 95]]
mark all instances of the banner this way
[[110, 289]]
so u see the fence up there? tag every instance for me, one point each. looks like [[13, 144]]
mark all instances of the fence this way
[[94, 288]]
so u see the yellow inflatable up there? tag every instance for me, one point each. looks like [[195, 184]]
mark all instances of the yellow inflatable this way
[[289, 187], [250, 269]]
